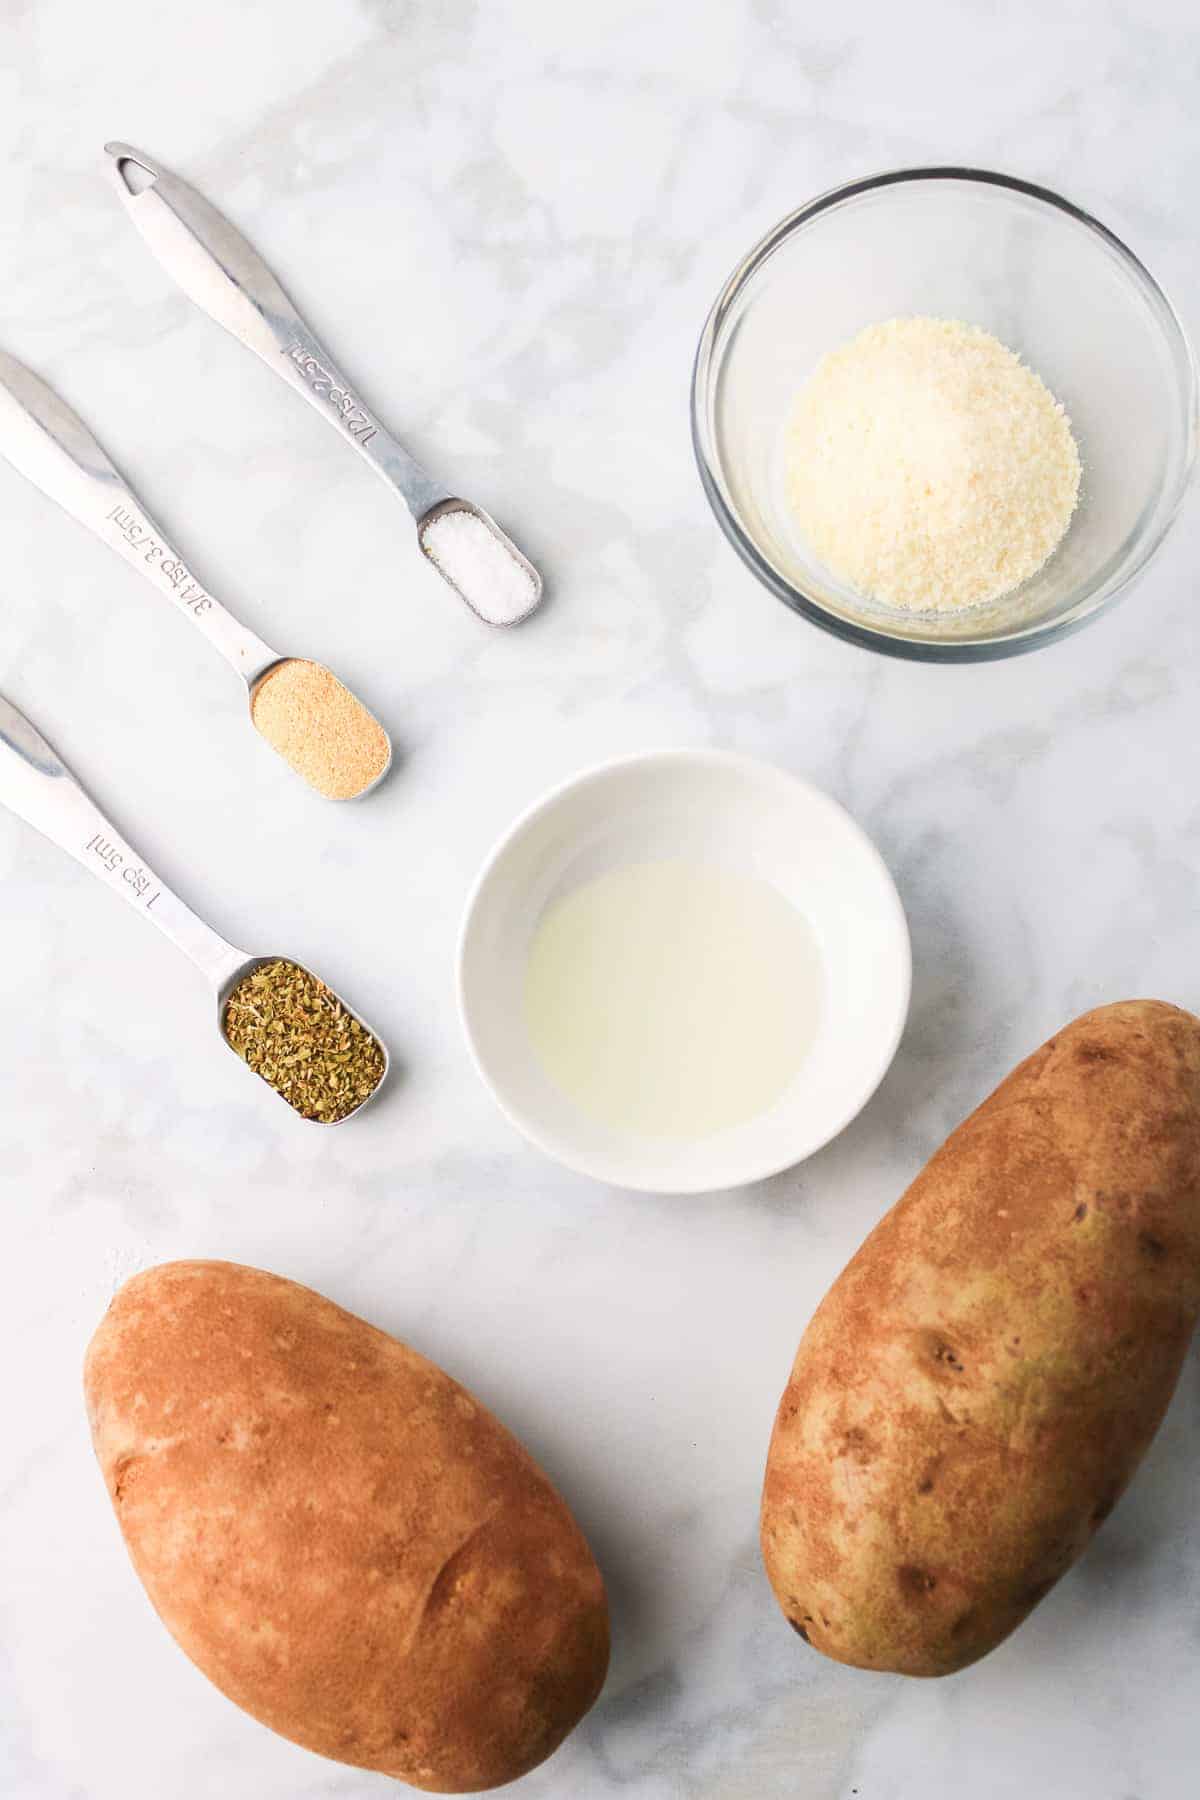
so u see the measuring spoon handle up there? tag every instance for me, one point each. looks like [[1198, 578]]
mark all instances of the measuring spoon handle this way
[[37, 785], [53, 448], [227, 278]]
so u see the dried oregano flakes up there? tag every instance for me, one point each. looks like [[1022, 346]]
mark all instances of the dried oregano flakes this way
[[294, 1031]]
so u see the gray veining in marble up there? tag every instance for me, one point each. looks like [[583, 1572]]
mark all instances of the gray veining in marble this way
[[509, 219]]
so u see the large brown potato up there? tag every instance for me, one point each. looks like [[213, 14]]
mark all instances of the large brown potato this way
[[980, 1383], [343, 1540]]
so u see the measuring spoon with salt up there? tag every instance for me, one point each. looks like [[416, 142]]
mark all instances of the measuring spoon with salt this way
[[39, 787], [228, 279], [299, 707]]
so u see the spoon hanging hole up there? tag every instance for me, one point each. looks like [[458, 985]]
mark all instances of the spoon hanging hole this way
[[134, 176]]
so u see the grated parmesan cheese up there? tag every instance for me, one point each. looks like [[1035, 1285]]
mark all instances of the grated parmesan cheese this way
[[928, 467]]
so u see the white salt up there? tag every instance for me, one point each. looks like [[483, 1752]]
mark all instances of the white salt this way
[[480, 564]]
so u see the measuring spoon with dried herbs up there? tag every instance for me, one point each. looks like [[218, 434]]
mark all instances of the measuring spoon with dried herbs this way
[[299, 707], [284, 1023]]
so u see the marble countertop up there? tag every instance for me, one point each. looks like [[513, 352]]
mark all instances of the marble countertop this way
[[510, 220]]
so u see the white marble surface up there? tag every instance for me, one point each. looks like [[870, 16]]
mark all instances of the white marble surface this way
[[510, 218]]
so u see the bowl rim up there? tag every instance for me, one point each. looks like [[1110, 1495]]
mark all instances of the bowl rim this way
[[1004, 644], [760, 770]]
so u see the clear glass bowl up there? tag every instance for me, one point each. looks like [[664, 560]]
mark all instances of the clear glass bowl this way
[[1043, 277]]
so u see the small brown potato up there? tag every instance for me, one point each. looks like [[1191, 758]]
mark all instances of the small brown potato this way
[[340, 1537], [976, 1389]]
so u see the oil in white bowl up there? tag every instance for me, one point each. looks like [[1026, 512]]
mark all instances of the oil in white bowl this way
[[673, 999]]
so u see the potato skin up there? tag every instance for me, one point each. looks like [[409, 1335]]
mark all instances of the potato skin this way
[[978, 1386], [340, 1537]]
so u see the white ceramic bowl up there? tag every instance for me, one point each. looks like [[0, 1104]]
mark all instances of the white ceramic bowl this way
[[744, 816]]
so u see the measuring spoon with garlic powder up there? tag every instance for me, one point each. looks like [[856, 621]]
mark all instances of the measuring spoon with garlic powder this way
[[299, 707], [228, 279], [37, 785]]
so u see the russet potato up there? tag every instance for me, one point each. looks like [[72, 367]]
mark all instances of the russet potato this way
[[980, 1383], [341, 1538]]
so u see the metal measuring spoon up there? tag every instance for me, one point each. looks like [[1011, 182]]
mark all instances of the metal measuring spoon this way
[[228, 279], [37, 785], [53, 448]]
